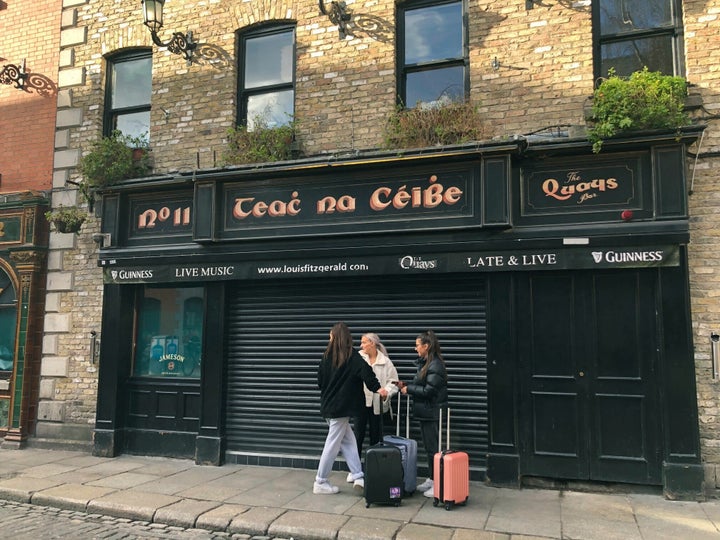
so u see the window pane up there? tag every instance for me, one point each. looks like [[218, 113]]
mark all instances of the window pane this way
[[433, 33], [273, 109], [436, 84], [269, 60], [170, 329], [629, 56], [618, 16], [131, 83], [8, 322], [134, 124]]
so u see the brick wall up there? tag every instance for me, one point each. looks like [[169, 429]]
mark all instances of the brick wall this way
[[27, 118], [345, 91]]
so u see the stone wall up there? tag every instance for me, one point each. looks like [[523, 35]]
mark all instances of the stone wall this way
[[530, 70]]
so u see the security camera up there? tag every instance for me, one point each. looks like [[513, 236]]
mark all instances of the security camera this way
[[101, 239]]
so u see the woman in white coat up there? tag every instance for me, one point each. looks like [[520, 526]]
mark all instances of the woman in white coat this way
[[375, 354]]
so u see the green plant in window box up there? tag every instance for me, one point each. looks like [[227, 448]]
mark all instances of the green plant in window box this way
[[643, 101], [66, 219], [441, 123], [112, 159], [261, 143]]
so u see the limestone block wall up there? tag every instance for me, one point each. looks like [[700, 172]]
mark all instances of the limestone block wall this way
[[529, 69], [702, 24]]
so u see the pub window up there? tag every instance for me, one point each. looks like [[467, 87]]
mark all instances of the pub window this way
[[433, 53], [128, 92], [169, 332], [266, 85], [631, 35], [8, 322]]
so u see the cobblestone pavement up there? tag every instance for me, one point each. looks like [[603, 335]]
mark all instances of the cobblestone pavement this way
[[30, 522]]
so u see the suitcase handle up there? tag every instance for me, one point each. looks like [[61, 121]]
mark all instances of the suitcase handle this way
[[407, 416], [447, 440]]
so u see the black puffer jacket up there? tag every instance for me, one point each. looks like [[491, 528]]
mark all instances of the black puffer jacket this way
[[429, 393], [341, 389]]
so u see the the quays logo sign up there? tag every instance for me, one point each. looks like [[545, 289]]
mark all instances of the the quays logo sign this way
[[481, 261], [547, 190]]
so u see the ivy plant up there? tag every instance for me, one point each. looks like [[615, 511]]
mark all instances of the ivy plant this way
[[645, 100]]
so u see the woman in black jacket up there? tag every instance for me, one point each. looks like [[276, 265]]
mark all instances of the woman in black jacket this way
[[341, 375], [429, 391]]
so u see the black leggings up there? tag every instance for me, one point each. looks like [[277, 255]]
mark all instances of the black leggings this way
[[360, 423], [430, 439]]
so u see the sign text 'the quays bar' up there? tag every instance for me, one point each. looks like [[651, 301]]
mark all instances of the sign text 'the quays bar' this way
[[581, 189], [407, 263]]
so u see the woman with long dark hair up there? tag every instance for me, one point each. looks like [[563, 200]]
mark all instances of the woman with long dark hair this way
[[341, 375], [429, 391]]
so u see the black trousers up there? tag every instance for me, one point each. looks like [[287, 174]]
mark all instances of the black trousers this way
[[360, 424], [430, 439]]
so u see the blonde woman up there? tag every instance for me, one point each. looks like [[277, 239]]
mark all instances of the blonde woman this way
[[375, 354]]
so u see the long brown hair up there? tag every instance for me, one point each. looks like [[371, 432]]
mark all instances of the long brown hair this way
[[429, 338], [339, 347]]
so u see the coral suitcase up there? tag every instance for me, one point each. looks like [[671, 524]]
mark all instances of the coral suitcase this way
[[451, 472], [408, 449], [383, 475]]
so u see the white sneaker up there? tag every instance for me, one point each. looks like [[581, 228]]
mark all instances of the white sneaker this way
[[427, 484], [349, 478], [324, 489], [359, 485], [430, 493]]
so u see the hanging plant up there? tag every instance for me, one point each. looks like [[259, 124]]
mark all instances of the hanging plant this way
[[261, 143], [645, 100], [66, 219], [112, 159]]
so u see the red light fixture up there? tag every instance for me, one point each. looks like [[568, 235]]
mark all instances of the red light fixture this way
[[626, 215]]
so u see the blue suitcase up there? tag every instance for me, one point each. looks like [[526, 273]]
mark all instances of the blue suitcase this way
[[408, 449]]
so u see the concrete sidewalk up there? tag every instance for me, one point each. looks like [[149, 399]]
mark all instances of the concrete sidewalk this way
[[279, 502]]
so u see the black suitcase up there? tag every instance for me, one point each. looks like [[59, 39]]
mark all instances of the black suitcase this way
[[383, 475]]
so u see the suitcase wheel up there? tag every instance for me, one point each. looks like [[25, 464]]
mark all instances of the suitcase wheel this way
[[367, 505], [397, 503], [436, 502], [449, 505]]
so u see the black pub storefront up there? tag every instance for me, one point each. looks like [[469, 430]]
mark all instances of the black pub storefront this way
[[556, 280]]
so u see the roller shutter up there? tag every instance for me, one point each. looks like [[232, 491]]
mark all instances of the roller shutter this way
[[279, 330]]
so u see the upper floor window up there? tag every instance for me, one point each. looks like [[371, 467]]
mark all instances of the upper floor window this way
[[266, 84], [433, 52], [128, 93], [631, 35]]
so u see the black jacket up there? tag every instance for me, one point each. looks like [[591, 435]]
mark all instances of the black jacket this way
[[430, 392], [341, 389]]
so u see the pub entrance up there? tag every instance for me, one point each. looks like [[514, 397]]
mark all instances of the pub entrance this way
[[588, 347]]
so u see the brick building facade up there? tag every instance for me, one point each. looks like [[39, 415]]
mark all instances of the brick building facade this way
[[28, 105], [530, 69]]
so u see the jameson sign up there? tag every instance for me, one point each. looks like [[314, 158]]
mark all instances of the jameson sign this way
[[406, 263], [549, 190]]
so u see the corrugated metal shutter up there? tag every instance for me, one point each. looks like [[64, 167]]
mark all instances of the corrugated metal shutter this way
[[279, 330]]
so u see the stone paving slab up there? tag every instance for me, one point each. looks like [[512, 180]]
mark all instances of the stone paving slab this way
[[414, 531], [183, 513], [21, 489], [361, 528], [47, 469], [125, 480], [220, 517], [472, 534], [255, 521], [130, 504], [70, 496], [307, 525]]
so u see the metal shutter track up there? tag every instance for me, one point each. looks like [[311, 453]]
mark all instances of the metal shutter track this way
[[279, 330]]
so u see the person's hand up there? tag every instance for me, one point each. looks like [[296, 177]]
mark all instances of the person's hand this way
[[383, 392], [399, 384], [403, 390]]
